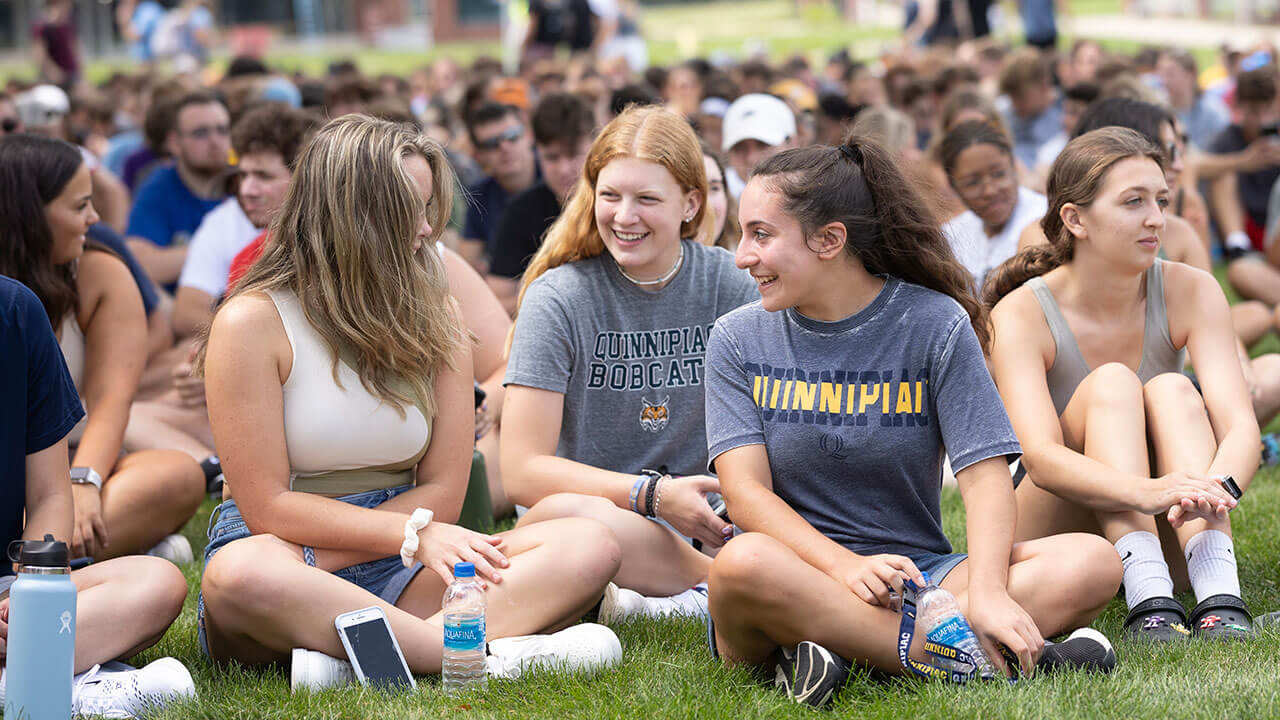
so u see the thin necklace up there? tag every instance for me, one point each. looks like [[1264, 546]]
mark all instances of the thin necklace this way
[[647, 283]]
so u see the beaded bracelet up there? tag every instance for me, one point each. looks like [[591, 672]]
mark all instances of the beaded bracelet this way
[[649, 489], [657, 495]]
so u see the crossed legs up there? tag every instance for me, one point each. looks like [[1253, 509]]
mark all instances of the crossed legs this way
[[655, 561], [763, 595], [262, 599]]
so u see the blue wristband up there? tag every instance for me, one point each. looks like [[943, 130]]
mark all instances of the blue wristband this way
[[635, 492]]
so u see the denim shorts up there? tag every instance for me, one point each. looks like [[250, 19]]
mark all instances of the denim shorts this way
[[936, 564], [387, 578]]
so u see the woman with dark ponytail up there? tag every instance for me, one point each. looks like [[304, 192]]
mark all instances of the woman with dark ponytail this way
[[830, 404], [1088, 357]]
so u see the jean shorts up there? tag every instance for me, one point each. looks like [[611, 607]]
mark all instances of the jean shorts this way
[[387, 578], [936, 564]]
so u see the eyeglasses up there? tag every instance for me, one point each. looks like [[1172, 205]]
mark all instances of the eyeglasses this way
[[508, 135], [974, 183], [204, 132], [1173, 152]]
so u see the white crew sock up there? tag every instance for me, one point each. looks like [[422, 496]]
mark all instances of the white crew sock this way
[[1146, 575], [1211, 564]]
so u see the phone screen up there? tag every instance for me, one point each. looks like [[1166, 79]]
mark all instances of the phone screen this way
[[372, 647]]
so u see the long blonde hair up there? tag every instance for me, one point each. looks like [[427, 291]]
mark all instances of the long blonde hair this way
[[342, 242], [650, 133]]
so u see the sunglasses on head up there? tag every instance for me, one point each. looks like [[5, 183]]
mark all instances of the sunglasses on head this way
[[493, 143]]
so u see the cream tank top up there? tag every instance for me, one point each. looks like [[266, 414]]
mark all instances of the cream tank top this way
[[1069, 367], [340, 438]]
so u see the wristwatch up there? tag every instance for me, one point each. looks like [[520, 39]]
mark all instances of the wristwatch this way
[[86, 476], [1229, 484]]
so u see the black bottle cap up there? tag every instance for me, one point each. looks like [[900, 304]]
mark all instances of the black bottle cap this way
[[39, 553]]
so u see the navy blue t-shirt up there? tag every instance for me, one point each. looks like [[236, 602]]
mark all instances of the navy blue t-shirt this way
[[104, 234], [38, 400]]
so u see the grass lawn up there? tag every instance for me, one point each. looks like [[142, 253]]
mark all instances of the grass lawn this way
[[667, 672], [734, 28]]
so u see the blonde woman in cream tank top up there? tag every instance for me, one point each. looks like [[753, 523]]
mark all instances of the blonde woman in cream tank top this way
[[1088, 355], [339, 385]]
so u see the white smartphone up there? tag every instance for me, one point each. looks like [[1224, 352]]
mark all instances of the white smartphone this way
[[372, 648]]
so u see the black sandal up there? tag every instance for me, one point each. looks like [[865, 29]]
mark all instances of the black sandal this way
[[1159, 619], [1222, 617]]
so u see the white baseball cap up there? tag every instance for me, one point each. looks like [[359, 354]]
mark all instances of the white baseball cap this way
[[42, 105], [758, 117]]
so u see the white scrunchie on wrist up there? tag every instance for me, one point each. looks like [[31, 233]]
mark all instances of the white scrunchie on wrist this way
[[418, 520]]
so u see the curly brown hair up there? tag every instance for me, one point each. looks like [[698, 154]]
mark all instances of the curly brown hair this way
[[274, 127]]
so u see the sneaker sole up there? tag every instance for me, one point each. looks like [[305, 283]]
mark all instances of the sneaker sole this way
[[816, 678], [608, 613]]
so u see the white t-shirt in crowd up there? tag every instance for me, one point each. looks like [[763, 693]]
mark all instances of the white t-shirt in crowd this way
[[981, 254], [222, 234]]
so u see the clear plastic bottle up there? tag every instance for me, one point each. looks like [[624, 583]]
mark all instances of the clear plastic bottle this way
[[938, 614], [463, 666]]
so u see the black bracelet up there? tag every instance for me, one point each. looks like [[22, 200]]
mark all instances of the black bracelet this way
[[649, 490]]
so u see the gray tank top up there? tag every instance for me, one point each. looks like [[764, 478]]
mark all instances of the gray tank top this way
[[1069, 367]]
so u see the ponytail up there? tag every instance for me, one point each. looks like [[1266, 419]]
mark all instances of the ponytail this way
[[888, 226]]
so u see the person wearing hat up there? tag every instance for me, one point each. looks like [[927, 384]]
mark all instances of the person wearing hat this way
[[756, 127]]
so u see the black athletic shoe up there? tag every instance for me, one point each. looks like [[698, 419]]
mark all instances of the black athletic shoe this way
[[1084, 649], [212, 469], [809, 673]]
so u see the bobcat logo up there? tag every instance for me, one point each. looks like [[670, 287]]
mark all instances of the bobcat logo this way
[[654, 415]]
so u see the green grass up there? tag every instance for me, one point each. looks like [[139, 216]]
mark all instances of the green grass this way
[[675, 32], [667, 672]]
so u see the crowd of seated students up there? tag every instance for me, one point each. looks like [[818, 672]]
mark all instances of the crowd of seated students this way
[[195, 253]]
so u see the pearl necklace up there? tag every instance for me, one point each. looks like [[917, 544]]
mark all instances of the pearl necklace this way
[[648, 283]]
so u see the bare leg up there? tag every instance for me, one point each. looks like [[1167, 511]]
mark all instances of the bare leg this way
[[150, 495], [1251, 320], [124, 606], [261, 599], [164, 424], [1183, 439], [1256, 279], [763, 595], [1105, 420], [1266, 401], [655, 561]]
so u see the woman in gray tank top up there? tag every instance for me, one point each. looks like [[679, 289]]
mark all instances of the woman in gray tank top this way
[[1088, 357]]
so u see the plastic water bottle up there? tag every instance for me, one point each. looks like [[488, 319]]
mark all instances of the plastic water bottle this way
[[938, 612], [464, 632], [42, 632]]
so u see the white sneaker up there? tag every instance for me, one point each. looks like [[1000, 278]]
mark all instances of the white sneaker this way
[[582, 648], [314, 670], [621, 603], [116, 690], [174, 548]]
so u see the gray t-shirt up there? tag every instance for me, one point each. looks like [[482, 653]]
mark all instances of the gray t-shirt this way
[[629, 362], [856, 414]]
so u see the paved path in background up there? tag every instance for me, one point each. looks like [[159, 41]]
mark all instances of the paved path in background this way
[[1168, 31]]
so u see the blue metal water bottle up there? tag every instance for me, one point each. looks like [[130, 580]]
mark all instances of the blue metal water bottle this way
[[42, 632]]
